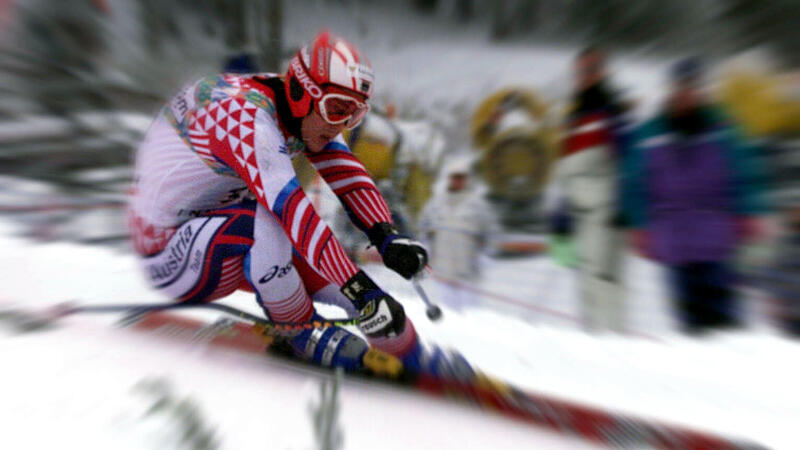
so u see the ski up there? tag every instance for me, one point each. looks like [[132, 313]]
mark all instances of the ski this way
[[25, 320], [594, 424]]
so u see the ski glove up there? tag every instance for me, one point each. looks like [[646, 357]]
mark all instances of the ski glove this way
[[400, 253], [380, 314]]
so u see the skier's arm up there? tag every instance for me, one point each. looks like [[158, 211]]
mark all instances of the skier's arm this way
[[367, 208], [257, 157], [253, 147], [350, 181]]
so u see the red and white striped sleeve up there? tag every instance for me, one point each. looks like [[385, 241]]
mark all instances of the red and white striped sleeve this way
[[350, 181], [247, 139]]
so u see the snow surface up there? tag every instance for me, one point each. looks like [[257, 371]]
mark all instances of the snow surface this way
[[75, 386], [79, 378]]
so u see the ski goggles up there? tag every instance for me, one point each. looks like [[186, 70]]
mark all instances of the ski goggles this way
[[337, 109]]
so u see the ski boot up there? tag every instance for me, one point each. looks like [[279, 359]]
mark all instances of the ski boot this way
[[438, 363], [329, 347]]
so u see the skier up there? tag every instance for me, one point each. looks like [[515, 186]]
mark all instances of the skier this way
[[216, 205]]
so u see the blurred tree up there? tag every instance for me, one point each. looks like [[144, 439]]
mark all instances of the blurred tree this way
[[464, 10], [273, 48], [233, 15], [427, 6], [63, 35], [618, 21], [514, 17], [158, 23], [500, 20], [756, 23]]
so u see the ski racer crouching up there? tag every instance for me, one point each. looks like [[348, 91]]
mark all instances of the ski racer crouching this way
[[216, 205]]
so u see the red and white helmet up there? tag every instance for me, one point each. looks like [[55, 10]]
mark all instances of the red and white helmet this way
[[330, 75]]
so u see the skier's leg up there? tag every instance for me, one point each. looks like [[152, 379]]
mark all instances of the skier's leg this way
[[406, 346], [281, 293], [202, 259], [416, 357], [268, 267], [327, 292], [320, 289], [209, 257]]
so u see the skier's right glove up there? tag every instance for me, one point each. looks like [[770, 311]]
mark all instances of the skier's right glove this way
[[380, 314]]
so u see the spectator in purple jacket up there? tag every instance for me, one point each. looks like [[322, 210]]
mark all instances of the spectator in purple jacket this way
[[691, 192]]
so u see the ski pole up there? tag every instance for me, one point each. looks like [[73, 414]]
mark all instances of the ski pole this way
[[33, 321], [433, 311]]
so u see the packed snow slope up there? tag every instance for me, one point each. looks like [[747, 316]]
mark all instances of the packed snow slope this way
[[81, 384], [78, 377]]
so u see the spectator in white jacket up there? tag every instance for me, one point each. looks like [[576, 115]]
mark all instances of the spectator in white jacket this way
[[458, 223]]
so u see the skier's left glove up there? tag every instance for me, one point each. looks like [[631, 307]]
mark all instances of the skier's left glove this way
[[400, 253], [380, 314]]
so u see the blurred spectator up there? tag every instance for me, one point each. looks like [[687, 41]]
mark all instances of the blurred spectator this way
[[782, 278], [587, 186], [457, 225], [240, 62], [692, 195], [398, 210]]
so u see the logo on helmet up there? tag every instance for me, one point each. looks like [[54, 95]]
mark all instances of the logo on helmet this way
[[321, 62], [308, 84]]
